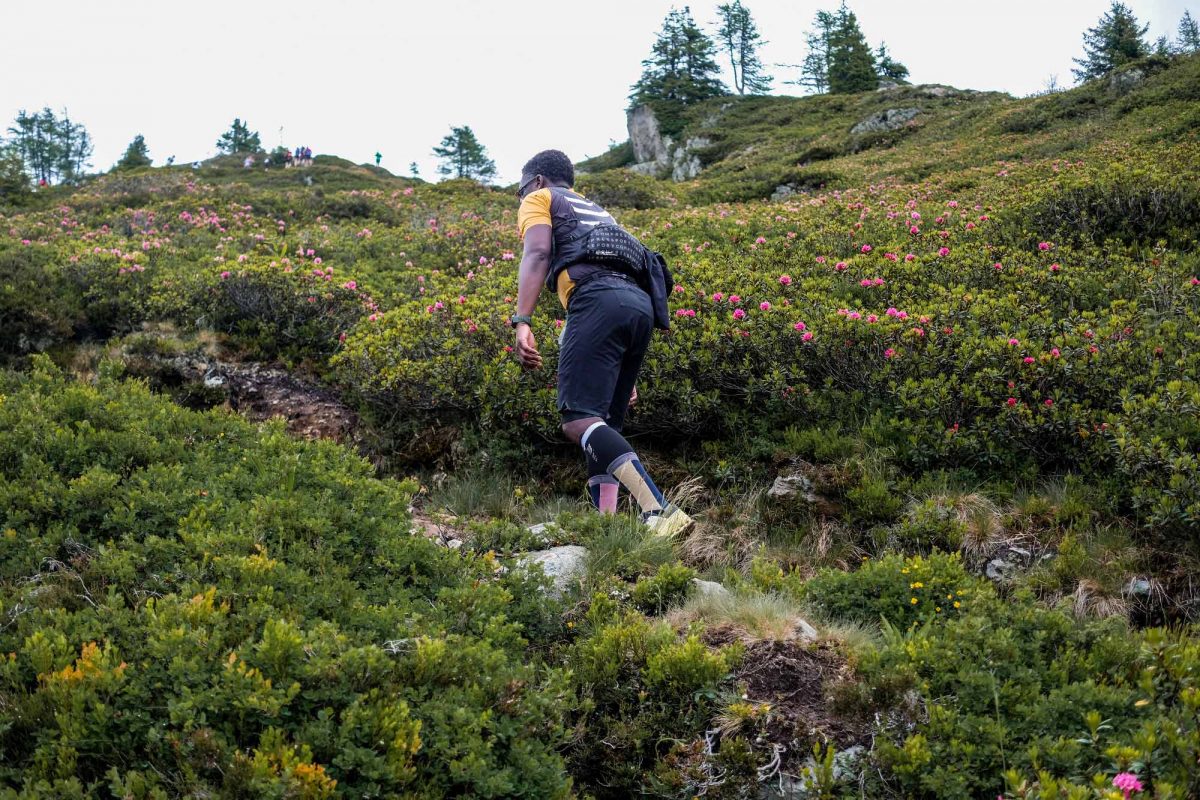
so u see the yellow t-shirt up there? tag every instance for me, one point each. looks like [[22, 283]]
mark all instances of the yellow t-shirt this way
[[535, 210]]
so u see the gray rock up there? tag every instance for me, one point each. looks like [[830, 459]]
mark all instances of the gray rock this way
[[709, 588], [804, 631], [789, 485], [561, 564], [1126, 80], [1138, 587], [542, 530], [685, 163], [648, 144], [888, 120], [782, 192], [999, 570]]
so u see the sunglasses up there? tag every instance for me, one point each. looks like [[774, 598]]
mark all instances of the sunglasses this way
[[521, 191]]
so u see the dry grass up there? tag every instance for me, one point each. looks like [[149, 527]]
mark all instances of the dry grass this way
[[711, 545], [982, 524], [749, 617], [1092, 599]]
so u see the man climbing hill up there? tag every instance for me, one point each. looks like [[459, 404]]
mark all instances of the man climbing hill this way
[[609, 322]]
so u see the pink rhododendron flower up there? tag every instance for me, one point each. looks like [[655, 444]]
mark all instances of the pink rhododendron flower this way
[[1049, 402], [1127, 782], [351, 285], [866, 248], [224, 274], [877, 282], [840, 266], [1012, 401], [807, 337], [761, 240], [901, 315], [872, 318], [1013, 342], [1054, 351], [865, 282], [914, 230], [1055, 267], [889, 353], [943, 251], [317, 260], [800, 326], [718, 297], [786, 280], [1027, 360], [738, 313], [482, 260], [910, 257], [678, 289], [1044, 245], [890, 256], [998, 266], [854, 315], [764, 306], [915, 215], [734, 299], [821, 260]]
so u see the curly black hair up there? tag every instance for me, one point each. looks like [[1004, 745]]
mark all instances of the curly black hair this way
[[553, 165]]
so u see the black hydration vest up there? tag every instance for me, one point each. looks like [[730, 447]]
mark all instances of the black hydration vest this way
[[572, 218]]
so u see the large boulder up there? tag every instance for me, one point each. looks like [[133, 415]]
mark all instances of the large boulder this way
[[563, 565], [658, 156], [649, 146]]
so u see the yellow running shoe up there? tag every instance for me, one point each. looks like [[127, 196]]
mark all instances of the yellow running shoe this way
[[669, 522]]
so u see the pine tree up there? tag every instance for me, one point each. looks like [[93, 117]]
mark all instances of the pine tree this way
[[1187, 40], [463, 156], [1116, 40], [814, 72], [851, 63], [74, 148], [14, 179], [136, 155], [239, 139], [680, 71], [888, 68], [740, 39], [51, 149]]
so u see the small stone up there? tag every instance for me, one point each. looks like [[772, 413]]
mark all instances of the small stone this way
[[709, 588], [998, 569]]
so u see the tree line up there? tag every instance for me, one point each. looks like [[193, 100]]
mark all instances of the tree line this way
[[683, 66], [682, 69]]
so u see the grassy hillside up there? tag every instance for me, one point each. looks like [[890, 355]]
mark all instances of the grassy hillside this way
[[938, 422], [759, 143]]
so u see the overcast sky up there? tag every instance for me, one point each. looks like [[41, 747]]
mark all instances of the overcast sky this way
[[356, 76]]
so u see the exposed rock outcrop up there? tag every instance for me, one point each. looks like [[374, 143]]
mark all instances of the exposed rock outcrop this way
[[659, 156], [889, 120]]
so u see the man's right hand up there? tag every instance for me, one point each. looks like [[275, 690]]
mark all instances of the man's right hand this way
[[527, 352]]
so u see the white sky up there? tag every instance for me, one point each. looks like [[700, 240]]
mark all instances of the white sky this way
[[349, 77]]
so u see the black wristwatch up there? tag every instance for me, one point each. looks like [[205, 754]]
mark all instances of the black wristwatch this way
[[517, 319]]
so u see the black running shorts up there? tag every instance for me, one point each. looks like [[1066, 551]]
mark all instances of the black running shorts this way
[[609, 323]]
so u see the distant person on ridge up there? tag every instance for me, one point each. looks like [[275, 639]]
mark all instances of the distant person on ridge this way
[[609, 323], [378, 157]]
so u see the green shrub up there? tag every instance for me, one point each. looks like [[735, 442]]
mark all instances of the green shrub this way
[[902, 591], [210, 607], [669, 586]]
